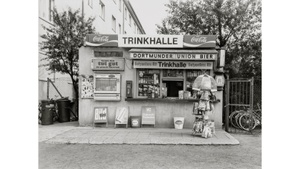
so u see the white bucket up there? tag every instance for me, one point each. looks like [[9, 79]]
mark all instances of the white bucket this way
[[178, 122]]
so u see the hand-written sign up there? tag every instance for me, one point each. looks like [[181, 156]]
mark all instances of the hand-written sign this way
[[148, 115], [121, 115], [100, 114]]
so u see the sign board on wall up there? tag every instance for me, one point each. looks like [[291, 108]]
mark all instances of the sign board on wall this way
[[108, 64], [152, 41], [158, 41], [101, 40], [122, 116], [87, 87], [148, 115], [172, 64], [172, 56], [199, 41]]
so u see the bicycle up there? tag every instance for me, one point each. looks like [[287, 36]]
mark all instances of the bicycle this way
[[247, 119]]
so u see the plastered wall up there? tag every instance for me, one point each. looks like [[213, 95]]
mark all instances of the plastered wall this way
[[165, 111]]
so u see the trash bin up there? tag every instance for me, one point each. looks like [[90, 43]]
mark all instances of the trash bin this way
[[63, 107], [47, 110], [178, 122]]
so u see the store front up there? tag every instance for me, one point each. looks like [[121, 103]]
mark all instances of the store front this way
[[137, 71]]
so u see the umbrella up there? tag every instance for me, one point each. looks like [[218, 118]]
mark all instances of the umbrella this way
[[205, 82]]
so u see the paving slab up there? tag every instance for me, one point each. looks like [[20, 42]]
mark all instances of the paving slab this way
[[73, 134]]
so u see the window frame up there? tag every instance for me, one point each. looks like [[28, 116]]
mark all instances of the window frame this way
[[130, 20], [114, 23], [102, 10], [90, 3]]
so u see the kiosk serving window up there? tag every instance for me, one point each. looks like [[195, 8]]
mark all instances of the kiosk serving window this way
[[161, 83]]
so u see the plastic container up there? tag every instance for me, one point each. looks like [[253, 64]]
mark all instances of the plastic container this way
[[48, 109], [178, 122], [63, 107]]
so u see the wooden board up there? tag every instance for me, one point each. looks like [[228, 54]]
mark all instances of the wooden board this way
[[100, 115], [148, 115], [122, 114]]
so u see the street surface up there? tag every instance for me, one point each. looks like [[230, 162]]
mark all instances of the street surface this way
[[85, 156]]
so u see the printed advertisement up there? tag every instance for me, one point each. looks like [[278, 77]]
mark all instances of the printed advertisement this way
[[172, 64], [87, 91], [121, 115]]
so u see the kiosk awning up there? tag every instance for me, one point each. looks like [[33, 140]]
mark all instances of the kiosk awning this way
[[207, 51]]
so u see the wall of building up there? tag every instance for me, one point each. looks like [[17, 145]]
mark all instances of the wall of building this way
[[165, 111], [90, 8]]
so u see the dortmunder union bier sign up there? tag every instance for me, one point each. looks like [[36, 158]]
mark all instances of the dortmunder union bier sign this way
[[162, 41]]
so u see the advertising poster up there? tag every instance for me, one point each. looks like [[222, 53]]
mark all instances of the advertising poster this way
[[87, 91], [148, 115], [100, 114], [121, 115]]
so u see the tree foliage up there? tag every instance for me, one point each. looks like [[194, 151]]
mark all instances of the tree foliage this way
[[62, 41], [237, 24]]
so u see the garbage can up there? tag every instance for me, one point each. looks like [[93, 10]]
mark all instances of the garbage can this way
[[178, 122], [63, 107], [47, 110]]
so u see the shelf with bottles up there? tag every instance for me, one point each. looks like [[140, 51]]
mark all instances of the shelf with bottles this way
[[148, 83], [150, 91]]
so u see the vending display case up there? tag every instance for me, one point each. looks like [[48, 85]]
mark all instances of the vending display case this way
[[107, 87], [148, 83]]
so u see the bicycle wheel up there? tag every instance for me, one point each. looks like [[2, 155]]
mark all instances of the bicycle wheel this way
[[232, 118], [237, 118], [247, 122]]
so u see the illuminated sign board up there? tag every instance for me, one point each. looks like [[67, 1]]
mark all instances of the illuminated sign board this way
[[172, 64], [158, 41]]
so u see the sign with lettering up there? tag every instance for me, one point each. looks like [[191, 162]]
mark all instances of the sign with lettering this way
[[148, 115], [100, 114], [199, 41], [108, 64], [158, 41], [101, 40], [172, 64], [121, 115], [173, 56]]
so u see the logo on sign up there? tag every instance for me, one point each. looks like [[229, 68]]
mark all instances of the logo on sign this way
[[197, 39], [101, 39], [178, 122]]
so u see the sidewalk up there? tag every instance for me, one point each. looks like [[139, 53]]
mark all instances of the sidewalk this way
[[71, 133]]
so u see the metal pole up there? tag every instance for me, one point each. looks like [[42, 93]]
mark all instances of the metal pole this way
[[55, 88], [227, 105], [252, 89]]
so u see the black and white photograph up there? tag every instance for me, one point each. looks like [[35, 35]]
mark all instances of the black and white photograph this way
[[155, 84]]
